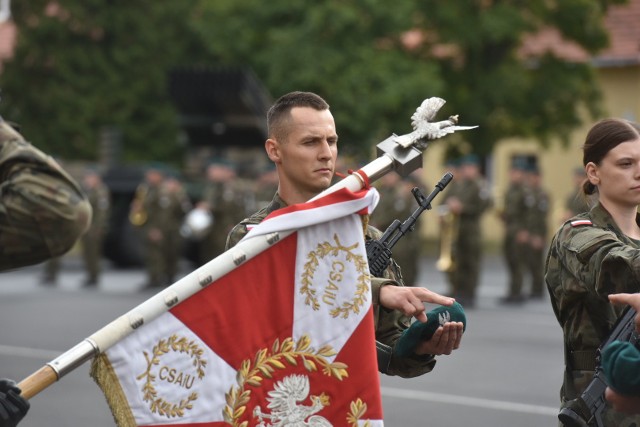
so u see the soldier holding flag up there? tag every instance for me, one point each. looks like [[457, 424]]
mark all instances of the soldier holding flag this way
[[224, 373], [303, 144]]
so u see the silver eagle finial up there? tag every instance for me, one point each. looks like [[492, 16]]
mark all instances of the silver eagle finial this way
[[424, 128]]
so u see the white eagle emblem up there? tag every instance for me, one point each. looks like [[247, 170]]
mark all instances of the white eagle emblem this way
[[443, 318], [285, 410], [424, 128]]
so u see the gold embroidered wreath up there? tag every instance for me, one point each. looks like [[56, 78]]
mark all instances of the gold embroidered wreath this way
[[158, 404], [362, 289], [265, 364]]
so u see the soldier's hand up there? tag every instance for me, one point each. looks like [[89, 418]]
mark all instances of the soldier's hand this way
[[13, 407], [631, 299], [410, 300], [445, 339], [622, 403]]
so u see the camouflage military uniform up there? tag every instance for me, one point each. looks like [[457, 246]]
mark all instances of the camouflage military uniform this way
[[178, 207], [389, 323], [43, 210], [514, 216], [587, 261], [92, 240], [449, 227], [164, 217], [538, 204], [475, 196], [226, 210]]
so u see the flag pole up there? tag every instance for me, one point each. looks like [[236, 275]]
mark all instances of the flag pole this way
[[393, 156]]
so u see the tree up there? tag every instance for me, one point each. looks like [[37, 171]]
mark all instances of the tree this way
[[357, 54], [350, 52], [82, 66]]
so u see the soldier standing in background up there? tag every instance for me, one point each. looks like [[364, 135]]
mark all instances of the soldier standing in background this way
[[538, 207], [178, 206], [43, 212], [152, 204], [514, 214], [51, 270], [145, 212], [471, 200], [577, 202], [92, 240], [448, 223], [220, 200]]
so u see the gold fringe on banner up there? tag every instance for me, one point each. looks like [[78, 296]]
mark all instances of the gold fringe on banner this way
[[104, 375], [365, 222]]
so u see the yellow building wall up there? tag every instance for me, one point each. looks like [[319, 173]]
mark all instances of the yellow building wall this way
[[621, 91]]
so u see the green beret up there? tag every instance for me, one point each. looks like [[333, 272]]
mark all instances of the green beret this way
[[621, 367], [419, 331], [470, 159], [156, 166]]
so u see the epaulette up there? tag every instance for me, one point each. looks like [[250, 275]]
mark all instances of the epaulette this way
[[579, 222]]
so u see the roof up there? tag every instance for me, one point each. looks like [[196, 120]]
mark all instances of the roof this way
[[7, 40], [624, 40]]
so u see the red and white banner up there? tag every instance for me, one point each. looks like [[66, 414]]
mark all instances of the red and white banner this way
[[286, 339]]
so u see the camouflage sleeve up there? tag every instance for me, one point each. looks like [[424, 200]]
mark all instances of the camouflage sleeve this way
[[102, 209], [235, 235], [597, 257], [390, 325], [476, 199], [43, 211]]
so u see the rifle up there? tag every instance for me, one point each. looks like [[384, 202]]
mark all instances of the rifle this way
[[379, 251], [586, 410]]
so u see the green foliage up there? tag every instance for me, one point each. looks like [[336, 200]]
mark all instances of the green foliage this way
[[351, 52], [80, 66], [347, 51]]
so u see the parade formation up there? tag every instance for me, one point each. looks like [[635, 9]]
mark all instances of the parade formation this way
[[477, 263]]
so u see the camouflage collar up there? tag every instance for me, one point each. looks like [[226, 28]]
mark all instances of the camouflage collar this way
[[602, 218], [276, 203]]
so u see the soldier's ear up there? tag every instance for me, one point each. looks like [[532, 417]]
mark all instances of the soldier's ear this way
[[273, 150], [592, 173]]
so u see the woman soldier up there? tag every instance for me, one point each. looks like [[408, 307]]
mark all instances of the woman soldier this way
[[597, 253]]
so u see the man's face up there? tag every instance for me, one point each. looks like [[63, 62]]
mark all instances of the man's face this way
[[306, 157]]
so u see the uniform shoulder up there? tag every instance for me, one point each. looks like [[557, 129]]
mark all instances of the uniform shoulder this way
[[582, 232]]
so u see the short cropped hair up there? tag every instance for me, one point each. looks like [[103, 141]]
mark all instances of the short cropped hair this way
[[279, 113]]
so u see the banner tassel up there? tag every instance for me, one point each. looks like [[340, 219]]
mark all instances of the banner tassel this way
[[104, 375]]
